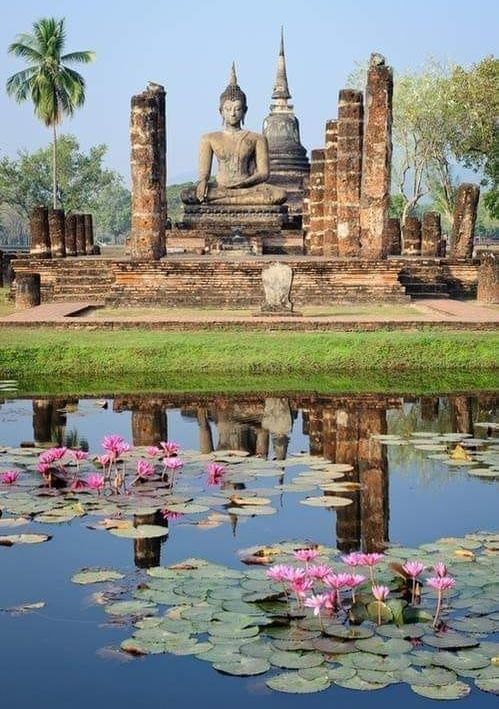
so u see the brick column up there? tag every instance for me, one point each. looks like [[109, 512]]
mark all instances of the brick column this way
[[411, 242], [70, 235], [463, 227], [39, 233], [316, 203], [56, 232], [431, 234], [376, 163], [393, 236], [488, 278], [148, 163], [27, 290], [330, 192], [89, 234], [80, 235], [349, 171]]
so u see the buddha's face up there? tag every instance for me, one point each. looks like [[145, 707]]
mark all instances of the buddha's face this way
[[232, 113]]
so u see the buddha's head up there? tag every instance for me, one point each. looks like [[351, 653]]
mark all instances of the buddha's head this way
[[233, 104]]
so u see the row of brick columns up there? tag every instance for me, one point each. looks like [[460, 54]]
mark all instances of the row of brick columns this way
[[55, 235]]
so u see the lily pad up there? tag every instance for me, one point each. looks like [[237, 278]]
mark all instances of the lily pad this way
[[456, 690], [243, 666], [11, 539], [326, 501], [131, 608], [87, 576], [293, 683], [378, 646], [143, 531], [488, 685], [296, 660], [357, 683]]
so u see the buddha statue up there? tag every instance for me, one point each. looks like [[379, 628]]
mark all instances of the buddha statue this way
[[242, 156]]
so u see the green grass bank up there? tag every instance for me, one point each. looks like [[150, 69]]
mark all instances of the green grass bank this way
[[243, 361]]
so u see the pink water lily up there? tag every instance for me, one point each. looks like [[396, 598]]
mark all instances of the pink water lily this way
[[306, 555], [440, 569], [319, 571], [380, 593], [355, 558], [96, 482], [170, 447], [300, 587], [354, 581], [413, 569], [115, 445], [370, 560], [278, 573], [153, 451], [9, 477], [52, 455], [173, 463], [78, 454], [317, 603], [169, 515], [440, 584], [144, 469], [337, 582], [215, 472]]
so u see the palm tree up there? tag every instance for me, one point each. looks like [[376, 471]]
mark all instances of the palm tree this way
[[54, 88]]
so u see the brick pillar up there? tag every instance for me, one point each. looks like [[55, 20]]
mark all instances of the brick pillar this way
[[349, 171], [39, 233], [377, 159], [56, 232], [70, 235], [148, 163], [80, 235], [411, 232], [27, 290], [330, 191], [316, 203], [488, 278], [89, 234], [463, 226], [393, 236], [305, 219], [431, 234]]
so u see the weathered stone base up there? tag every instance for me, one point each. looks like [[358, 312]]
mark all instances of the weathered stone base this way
[[228, 217], [183, 281], [208, 241]]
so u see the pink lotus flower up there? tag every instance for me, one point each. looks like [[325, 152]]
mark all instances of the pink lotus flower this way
[[413, 569], [371, 559], [355, 558], [78, 484], [52, 455], [115, 445], [380, 593], [153, 451], [169, 447], [319, 571], [330, 602], [144, 469], [9, 477], [104, 460], [306, 555], [215, 473], [316, 602], [78, 455], [95, 482], [301, 587], [278, 573], [337, 581], [173, 463], [354, 581], [171, 516], [440, 569], [295, 574], [440, 584], [43, 468]]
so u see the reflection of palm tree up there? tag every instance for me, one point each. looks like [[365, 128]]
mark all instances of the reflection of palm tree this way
[[54, 88]]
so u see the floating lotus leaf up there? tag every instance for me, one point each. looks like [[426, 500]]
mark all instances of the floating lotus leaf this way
[[421, 658], [333, 647], [294, 645], [198, 613], [378, 646], [461, 661], [190, 508], [135, 646], [10, 539], [377, 677], [293, 683], [237, 619], [488, 685], [380, 663], [484, 472], [342, 672], [409, 630], [257, 648], [243, 666], [427, 676], [251, 511], [257, 596], [225, 630], [131, 608], [178, 625], [156, 635], [357, 683], [353, 632], [449, 641], [14, 522], [456, 690], [188, 646], [373, 609], [295, 660], [326, 501], [220, 653], [474, 625], [96, 576], [143, 531]]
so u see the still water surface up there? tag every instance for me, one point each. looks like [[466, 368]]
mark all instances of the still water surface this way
[[55, 659]]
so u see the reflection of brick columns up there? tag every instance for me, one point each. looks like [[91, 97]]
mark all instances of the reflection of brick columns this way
[[148, 163], [348, 518], [329, 433], [57, 224], [42, 420], [461, 414], [373, 471], [393, 236], [147, 552], [149, 427], [411, 242], [431, 234], [233, 435], [429, 408], [315, 429], [70, 235], [262, 443], [463, 225], [205, 436], [315, 237], [376, 163], [39, 233], [349, 170], [330, 247]]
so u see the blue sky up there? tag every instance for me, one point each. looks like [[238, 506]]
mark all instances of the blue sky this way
[[188, 47]]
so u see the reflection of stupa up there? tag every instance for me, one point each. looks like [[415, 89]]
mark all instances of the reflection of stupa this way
[[289, 163]]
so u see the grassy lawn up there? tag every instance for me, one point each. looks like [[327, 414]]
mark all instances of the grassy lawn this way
[[6, 306], [389, 311]]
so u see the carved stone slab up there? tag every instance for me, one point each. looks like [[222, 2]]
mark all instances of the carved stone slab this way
[[277, 279]]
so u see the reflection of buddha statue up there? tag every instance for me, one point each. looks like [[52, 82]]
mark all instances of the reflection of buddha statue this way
[[243, 159]]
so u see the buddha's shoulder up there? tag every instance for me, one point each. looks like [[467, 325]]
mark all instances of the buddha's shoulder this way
[[213, 136]]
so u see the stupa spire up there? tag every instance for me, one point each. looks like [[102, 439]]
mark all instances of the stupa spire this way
[[281, 88]]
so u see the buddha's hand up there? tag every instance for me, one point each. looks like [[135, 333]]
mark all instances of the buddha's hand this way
[[201, 189]]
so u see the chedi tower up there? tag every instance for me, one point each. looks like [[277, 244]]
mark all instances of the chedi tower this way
[[289, 164]]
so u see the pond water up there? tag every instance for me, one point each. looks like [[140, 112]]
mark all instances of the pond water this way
[[65, 654]]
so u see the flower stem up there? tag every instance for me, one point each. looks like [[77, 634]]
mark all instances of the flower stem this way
[[437, 610], [379, 612]]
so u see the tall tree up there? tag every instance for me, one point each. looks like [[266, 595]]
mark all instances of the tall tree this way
[[54, 87]]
